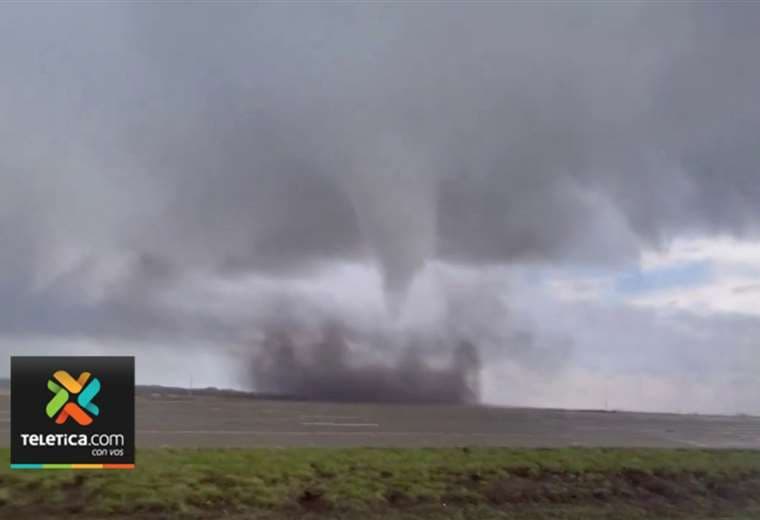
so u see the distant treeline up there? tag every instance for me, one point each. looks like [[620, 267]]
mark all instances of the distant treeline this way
[[148, 390]]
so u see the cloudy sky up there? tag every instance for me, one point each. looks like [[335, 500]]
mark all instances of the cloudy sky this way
[[575, 187]]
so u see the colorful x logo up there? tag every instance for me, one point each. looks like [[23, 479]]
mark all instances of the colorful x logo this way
[[85, 392]]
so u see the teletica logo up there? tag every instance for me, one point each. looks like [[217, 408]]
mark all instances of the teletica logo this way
[[84, 388]]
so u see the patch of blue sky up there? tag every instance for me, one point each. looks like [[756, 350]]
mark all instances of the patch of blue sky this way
[[688, 274]]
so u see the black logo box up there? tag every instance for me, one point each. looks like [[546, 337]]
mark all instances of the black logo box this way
[[30, 395]]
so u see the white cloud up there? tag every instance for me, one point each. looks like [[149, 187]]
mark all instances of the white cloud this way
[[722, 250], [734, 286]]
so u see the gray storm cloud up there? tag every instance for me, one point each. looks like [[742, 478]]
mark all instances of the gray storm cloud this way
[[472, 133], [280, 139]]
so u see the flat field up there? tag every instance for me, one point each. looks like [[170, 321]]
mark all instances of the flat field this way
[[214, 421], [216, 456]]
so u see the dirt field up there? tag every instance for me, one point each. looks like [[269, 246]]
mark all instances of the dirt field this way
[[213, 421]]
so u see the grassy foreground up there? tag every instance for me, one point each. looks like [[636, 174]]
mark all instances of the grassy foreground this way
[[477, 483]]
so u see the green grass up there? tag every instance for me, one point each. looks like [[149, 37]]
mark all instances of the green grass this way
[[406, 483]]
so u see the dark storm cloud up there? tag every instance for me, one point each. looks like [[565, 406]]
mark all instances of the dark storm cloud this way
[[479, 133], [276, 137]]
